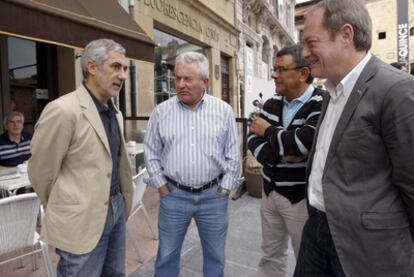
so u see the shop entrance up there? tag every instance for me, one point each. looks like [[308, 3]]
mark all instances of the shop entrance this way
[[28, 77]]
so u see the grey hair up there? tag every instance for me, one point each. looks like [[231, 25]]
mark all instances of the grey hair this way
[[10, 115], [97, 51], [197, 58], [337, 13]]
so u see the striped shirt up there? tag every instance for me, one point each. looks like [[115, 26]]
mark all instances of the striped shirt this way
[[286, 178], [12, 153], [192, 146]]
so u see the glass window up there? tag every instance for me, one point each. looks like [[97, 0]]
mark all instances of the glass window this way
[[276, 8], [168, 47], [30, 65], [382, 35], [225, 79], [22, 59], [23, 77]]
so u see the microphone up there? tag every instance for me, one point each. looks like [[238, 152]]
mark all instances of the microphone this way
[[257, 104]]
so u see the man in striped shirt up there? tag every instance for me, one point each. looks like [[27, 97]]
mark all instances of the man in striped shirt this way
[[280, 139], [193, 159], [14, 143]]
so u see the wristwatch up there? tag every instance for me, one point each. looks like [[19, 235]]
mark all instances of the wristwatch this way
[[223, 191]]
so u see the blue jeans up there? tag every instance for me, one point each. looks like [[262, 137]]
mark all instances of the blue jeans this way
[[176, 211], [108, 257], [317, 254]]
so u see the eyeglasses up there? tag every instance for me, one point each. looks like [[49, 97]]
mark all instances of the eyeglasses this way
[[281, 69]]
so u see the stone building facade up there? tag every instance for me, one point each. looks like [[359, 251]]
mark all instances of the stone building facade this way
[[385, 30], [265, 27], [39, 52], [206, 26]]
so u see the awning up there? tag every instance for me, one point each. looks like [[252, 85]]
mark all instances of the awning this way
[[74, 23]]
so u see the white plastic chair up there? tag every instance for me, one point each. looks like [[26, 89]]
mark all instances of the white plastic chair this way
[[18, 218], [137, 204]]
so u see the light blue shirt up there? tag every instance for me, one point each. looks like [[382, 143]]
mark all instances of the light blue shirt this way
[[290, 108], [192, 146]]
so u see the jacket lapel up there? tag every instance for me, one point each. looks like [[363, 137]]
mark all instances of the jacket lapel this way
[[325, 102], [92, 115], [358, 91]]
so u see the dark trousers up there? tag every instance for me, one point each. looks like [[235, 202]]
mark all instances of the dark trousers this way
[[317, 254]]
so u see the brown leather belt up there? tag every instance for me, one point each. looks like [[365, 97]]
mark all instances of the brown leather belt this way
[[196, 190], [114, 191]]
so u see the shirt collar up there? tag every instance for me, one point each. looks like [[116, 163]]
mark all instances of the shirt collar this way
[[202, 100], [304, 97], [21, 137], [99, 106], [348, 82]]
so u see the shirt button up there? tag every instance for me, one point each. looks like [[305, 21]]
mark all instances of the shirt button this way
[[108, 175], [106, 203]]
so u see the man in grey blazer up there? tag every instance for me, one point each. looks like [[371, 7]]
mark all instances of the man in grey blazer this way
[[80, 170], [361, 169]]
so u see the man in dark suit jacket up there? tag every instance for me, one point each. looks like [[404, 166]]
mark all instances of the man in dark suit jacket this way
[[361, 173]]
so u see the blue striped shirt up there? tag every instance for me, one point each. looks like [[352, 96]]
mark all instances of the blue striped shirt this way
[[12, 153], [192, 146]]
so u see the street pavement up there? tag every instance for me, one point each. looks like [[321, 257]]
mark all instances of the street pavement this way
[[242, 248]]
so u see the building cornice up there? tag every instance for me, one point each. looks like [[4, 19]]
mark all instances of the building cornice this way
[[263, 12], [248, 31], [203, 9]]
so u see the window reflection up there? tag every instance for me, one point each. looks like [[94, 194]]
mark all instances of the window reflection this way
[[22, 59], [23, 76], [32, 77], [168, 47]]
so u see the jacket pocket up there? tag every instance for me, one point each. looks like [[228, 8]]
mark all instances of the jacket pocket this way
[[380, 221]]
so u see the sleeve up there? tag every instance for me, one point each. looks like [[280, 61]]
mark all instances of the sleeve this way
[[296, 142], [153, 147], [261, 150], [398, 134], [231, 179], [49, 145], [259, 146]]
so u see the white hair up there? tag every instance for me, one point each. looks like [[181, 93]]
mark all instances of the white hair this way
[[194, 58]]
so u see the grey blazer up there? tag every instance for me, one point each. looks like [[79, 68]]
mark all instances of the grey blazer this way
[[368, 180]]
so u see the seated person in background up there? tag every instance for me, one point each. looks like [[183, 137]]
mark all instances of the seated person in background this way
[[14, 143]]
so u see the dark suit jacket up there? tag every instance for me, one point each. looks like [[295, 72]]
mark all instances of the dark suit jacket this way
[[368, 179]]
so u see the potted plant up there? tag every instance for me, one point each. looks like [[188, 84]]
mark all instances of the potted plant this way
[[252, 176]]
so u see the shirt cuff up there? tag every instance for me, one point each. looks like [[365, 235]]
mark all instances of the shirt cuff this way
[[156, 181], [231, 183]]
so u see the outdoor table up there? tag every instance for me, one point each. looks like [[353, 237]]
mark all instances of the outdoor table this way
[[10, 183]]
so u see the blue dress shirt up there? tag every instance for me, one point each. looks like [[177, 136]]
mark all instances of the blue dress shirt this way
[[290, 108]]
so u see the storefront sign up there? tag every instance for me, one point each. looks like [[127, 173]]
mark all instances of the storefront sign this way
[[167, 8], [402, 31], [42, 93]]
